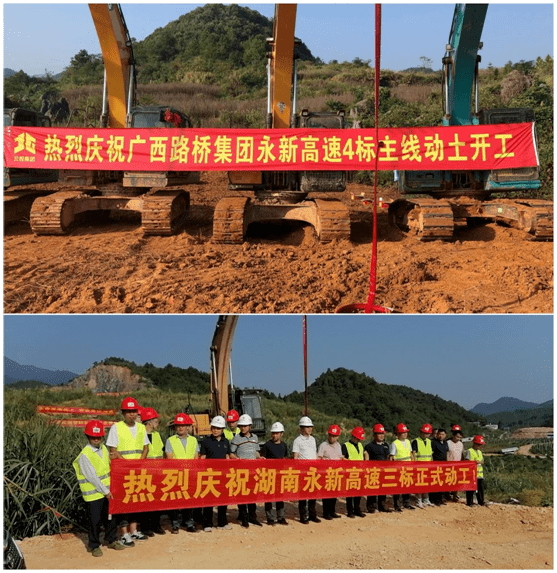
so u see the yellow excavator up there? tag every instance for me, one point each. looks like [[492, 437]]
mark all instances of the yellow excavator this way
[[283, 195], [224, 396], [162, 209]]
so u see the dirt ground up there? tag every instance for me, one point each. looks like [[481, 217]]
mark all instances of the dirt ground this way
[[111, 268], [449, 537]]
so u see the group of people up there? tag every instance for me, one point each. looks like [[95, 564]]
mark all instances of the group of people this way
[[136, 437]]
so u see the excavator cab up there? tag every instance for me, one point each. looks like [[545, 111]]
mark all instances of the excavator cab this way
[[157, 116]]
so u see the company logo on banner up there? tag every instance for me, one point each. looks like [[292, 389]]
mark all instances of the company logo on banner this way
[[480, 147], [150, 485]]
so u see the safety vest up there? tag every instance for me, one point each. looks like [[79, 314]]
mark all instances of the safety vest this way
[[355, 452], [228, 434], [102, 469], [181, 453], [156, 447], [403, 451], [129, 447], [425, 453], [477, 456]]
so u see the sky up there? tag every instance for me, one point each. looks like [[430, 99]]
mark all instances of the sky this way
[[37, 37], [466, 359]]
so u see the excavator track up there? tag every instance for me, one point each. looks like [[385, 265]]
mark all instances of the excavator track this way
[[229, 222], [53, 215], [428, 219], [164, 212], [539, 214], [333, 220]]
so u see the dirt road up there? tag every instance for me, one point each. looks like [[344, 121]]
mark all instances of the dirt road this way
[[112, 268], [491, 537]]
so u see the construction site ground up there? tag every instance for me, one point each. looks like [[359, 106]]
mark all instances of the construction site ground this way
[[449, 537], [110, 267]]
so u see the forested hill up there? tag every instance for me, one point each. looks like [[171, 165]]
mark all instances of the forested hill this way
[[228, 36], [349, 394]]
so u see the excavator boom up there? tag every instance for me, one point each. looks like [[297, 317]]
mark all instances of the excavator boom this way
[[116, 48]]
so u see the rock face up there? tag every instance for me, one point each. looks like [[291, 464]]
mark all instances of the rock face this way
[[103, 378]]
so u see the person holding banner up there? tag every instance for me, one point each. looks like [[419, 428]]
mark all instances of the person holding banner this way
[[215, 447], [456, 448], [475, 454], [422, 450], [182, 446], [151, 522], [92, 468], [275, 449], [376, 450], [353, 450], [127, 440], [439, 450], [245, 446], [401, 451], [231, 429], [330, 450], [305, 448]]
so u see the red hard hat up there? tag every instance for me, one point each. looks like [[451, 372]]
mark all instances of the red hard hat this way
[[378, 429], [232, 416], [456, 428], [148, 414], [94, 428], [426, 429], [129, 403], [479, 440], [401, 428], [182, 420], [359, 433], [334, 430]]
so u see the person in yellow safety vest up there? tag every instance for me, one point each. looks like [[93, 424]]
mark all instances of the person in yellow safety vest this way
[[401, 451], [127, 440], [475, 454], [354, 450], [423, 452], [92, 468], [182, 446], [231, 429], [151, 520]]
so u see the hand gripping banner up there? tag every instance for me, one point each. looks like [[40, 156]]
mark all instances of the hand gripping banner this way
[[153, 485], [471, 147]]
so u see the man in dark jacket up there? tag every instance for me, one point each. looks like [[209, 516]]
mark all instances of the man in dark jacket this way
[[439, 447]]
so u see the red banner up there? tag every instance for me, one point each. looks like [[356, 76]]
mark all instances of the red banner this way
[[149, 485], [70, 410], [472, 147], [75, 423]]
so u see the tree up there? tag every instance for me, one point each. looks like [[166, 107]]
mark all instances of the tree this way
[[426, 62]]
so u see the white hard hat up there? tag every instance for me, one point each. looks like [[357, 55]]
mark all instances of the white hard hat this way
[[218, 422], [305, 421], [245, 420], [277, 427]]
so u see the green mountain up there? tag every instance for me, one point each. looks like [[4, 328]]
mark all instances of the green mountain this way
[[540, 416], [346, 393], [225, 36]]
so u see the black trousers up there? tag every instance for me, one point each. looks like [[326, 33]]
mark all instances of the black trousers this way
[[247, 511], [353, 505], [150, 520], [221, 516], [307, 508], [98, 514], [372, 501], [479, 494], [329, 506], [405, 499], [271, 514]]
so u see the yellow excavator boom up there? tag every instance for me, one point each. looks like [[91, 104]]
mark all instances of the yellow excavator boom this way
[[118, 60]]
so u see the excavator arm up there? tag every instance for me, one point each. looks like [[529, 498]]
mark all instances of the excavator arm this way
[[221, 346], [118, 60]]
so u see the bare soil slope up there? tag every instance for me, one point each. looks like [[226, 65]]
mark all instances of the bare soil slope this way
[[111, 267], [491, 537]]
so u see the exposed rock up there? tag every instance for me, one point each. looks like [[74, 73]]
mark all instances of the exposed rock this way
[[104, 378]]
